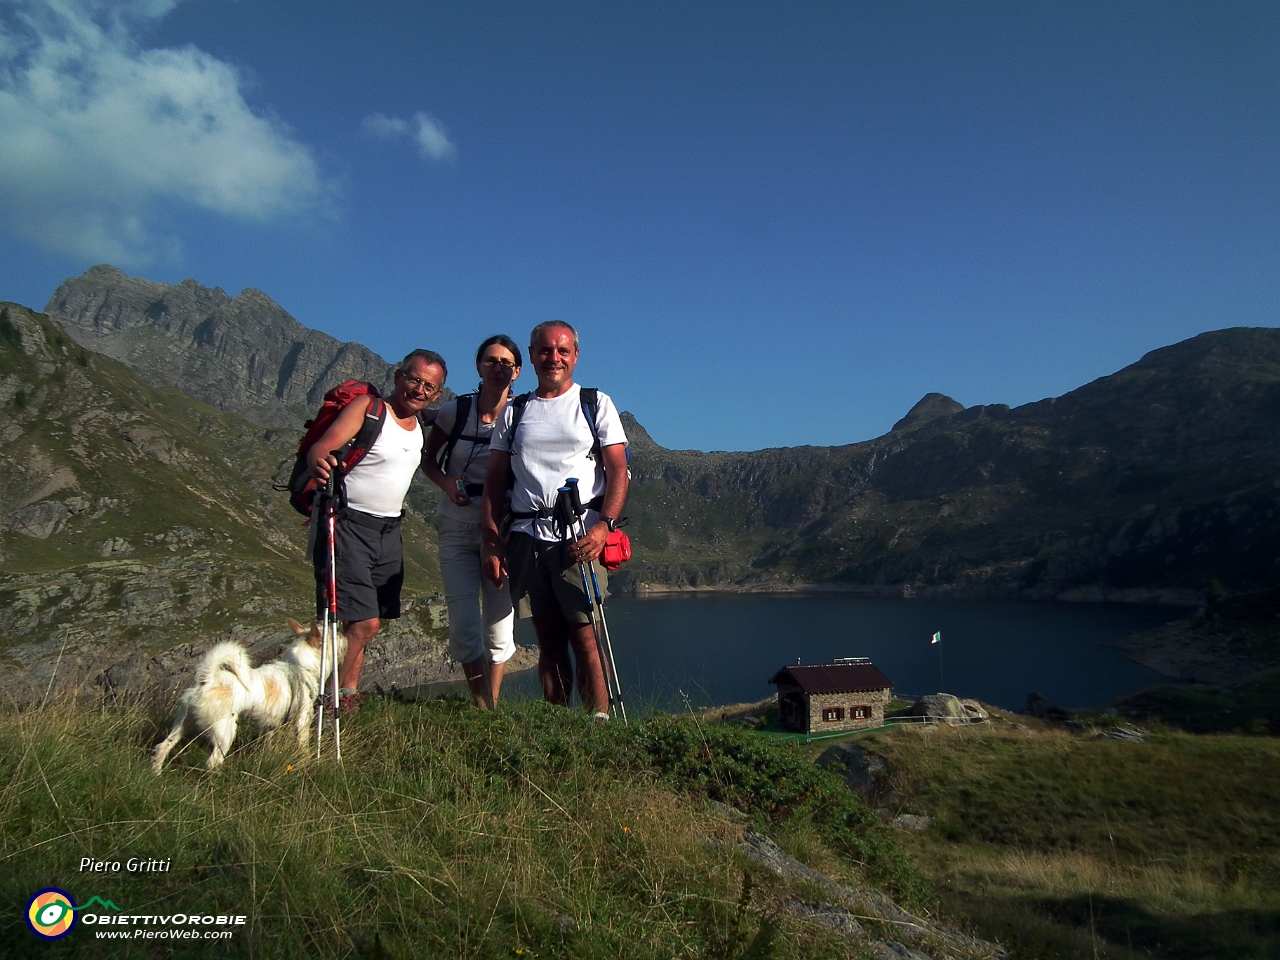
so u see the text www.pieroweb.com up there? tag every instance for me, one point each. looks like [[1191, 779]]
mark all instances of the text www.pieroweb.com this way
[[171, 927]]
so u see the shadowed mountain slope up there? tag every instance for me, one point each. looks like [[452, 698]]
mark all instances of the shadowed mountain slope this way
[[1150, 482]]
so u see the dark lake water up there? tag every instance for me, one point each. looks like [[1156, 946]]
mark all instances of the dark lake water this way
[[717, 649]]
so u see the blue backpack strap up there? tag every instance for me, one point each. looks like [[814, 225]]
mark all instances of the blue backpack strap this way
[[590, 399]]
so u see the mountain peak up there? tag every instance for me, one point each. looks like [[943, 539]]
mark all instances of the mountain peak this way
[[930, 407], [247, 355]]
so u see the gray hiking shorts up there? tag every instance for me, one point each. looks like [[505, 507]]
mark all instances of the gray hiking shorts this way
[[370, 568], [543, 581]]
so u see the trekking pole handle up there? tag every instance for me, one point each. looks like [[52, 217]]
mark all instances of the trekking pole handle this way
[[561, 514], [575, 501], [330, 483]]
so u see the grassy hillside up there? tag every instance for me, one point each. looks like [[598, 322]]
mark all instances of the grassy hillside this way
[[534, 832], [1068, 845], [531, 832]]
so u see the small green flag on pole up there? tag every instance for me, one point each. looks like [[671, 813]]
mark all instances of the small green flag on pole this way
[[937, 638]]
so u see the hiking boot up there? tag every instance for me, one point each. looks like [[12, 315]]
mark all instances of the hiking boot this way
[[351, 702]]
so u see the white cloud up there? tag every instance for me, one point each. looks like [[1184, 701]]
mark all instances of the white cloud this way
[[430, 135], [385, 128], [99, 133]]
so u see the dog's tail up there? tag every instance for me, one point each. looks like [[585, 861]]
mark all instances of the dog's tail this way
[[224, 658]]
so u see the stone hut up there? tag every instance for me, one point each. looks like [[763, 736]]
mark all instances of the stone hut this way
[[827, 698]]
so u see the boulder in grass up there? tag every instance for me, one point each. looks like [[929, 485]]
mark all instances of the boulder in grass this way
[[911, 822], [948, 709], [40, 520], [860, 770]]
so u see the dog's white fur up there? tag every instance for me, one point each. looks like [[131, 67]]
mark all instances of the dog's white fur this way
[[227, 686]]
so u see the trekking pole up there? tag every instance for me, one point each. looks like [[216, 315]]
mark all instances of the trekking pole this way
[[562, 520], [329, 640], [333, 608], [320, 513], [602, 637]]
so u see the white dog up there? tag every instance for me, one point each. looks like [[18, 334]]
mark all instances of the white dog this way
[[228, 685]]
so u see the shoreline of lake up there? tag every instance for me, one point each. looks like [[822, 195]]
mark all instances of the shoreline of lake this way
[[1180, 651], [1096, 593]]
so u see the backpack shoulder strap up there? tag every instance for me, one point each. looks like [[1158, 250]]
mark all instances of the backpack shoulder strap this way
[[517, 412], [590, 399], [370, 427], [462, 412]]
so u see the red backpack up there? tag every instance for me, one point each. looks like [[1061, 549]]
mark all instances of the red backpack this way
[[302, 486]]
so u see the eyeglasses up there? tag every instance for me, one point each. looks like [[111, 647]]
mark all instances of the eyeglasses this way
[[416, 383], [495, 362]]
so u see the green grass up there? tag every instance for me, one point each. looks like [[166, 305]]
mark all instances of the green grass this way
[[1251, 705], [446, 832], [1064, 845]]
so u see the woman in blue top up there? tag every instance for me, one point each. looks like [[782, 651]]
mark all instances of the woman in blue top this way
[[481, 619]]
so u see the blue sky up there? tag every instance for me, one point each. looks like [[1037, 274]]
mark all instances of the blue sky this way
[[772, 223]]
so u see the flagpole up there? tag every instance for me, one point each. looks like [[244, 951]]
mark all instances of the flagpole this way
[[937, 641]]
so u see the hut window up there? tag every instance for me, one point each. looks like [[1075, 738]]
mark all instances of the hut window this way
[[833, 713], [860, 713]]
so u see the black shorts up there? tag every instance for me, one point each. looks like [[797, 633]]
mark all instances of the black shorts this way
[[544, 581], [370, 567]]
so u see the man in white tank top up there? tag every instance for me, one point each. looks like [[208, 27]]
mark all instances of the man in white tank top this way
[[368, 557]]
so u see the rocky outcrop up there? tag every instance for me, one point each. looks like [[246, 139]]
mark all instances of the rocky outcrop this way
[[945, 708], [844, 905], [863, 772], [1230, 638], [244, 354], [1125, 734]]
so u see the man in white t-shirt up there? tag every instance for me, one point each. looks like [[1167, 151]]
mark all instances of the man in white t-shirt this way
[[552, 442], [368, 557]]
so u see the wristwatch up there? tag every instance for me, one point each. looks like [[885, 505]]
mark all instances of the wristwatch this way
[[611, 522]]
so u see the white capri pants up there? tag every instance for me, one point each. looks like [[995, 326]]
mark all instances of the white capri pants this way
[[473, 633]]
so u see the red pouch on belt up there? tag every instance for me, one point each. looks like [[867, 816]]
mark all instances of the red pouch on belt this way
[[617, 550]]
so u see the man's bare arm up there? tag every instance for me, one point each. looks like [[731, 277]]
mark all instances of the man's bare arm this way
[[616, 484]]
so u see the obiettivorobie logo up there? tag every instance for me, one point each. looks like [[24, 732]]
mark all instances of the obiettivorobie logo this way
[[51, 913]]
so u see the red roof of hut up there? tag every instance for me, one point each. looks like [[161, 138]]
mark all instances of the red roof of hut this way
[[835, 677]]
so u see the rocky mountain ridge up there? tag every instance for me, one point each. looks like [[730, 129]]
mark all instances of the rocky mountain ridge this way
[[1144, 485], [245, 354]]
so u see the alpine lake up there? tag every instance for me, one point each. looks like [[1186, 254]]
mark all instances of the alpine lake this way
[[697, 650]]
